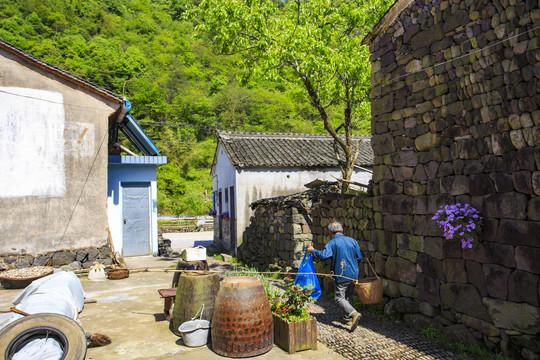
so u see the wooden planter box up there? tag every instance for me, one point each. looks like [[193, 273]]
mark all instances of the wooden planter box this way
[[295, 336]]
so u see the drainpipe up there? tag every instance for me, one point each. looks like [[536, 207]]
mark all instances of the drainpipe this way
[[126, 107], [125, 149]]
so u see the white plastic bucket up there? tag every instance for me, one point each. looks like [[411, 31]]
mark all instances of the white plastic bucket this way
[[195, 332]]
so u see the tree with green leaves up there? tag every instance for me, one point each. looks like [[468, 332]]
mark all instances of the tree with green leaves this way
[[313, 43]]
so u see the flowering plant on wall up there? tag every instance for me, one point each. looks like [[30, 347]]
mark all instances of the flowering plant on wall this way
[[460, 221], [212, 213], [224, 215]]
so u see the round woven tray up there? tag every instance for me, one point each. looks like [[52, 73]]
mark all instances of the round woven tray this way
[[117, 274], [11, 279]]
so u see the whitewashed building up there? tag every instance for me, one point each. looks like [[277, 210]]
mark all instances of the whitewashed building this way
[[252, 166], [57, 136]]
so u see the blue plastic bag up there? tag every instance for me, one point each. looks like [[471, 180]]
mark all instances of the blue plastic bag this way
[[306, 277]]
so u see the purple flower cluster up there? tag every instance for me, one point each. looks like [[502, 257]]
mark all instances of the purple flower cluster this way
[[224, 215], [461, 221]]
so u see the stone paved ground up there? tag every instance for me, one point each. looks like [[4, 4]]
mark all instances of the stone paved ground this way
[[375, 337]]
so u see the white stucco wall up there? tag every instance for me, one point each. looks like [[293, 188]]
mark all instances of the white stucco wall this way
[[53, 161], [129, 173], [224, 176], [254, 184]]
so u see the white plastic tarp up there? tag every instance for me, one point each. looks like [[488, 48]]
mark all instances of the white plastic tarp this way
[[59, 293]]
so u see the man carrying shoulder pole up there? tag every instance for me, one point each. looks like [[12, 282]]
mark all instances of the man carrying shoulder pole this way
[[345, 253]]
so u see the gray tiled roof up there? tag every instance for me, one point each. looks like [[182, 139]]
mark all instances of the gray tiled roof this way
[[62, 73], [278, 150]]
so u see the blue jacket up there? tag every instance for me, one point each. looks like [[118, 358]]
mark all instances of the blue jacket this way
[[345, 253]]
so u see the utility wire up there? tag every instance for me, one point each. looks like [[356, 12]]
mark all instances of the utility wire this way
[[462, 56]]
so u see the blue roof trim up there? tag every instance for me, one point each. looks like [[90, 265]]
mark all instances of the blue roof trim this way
[[140, 160]]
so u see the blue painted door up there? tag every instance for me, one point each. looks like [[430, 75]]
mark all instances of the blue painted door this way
[[136, 219]]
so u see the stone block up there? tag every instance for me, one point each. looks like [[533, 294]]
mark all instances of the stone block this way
[[484, 327], [408, 290], [508, 205], [527, 259], [501, 254], [513, 316], [416, 243], [533, 207], [455, 185], [523, 287], [397, 223], [428, 310], [402, 173], [476, 276], [401, 270], [405, 305], [496, 280], [397, 204], [434, 247], [503, 182], [461, 333], [522, 182], [427, 141], [481, 184], [407, 254], [63, 258], [423, 225], [382, 144], [463, 298], [385, 242], [454, 270], [430, 266], [42, 260], [429, 289], [391, 288]]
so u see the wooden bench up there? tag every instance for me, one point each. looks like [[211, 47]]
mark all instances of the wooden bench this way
[[169, 295]]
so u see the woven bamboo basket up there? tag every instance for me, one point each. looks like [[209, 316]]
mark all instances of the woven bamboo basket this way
[[369, 290], [117, 274], [11, 279]]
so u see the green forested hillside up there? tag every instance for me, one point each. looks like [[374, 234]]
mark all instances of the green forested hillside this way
[[181, 92]]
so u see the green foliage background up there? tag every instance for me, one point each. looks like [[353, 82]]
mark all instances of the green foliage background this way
[[180, 91]]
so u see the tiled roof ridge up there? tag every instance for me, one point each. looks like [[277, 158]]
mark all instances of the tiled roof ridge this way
[[238, 134], [62, 73]]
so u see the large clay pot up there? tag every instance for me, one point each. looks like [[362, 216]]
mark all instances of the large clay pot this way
[[193, 290], [242, 325]]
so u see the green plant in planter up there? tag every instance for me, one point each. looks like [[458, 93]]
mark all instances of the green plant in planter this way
[[292, 304]]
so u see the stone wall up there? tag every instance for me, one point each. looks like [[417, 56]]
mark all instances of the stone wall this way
[[455, 118], [74, 260], [281, 229]]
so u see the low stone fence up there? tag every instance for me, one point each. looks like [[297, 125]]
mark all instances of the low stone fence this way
[[281, 230], [74, 260]]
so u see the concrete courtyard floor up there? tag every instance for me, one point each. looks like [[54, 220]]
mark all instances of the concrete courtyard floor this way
[[130, 311]]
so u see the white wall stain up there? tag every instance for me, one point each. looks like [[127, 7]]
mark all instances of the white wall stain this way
[[31, 143]]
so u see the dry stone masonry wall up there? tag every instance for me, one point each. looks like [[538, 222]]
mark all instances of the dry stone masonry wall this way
[[67, 260], [456, 118]]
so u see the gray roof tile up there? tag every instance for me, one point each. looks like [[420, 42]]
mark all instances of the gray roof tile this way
[[278, 150]]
